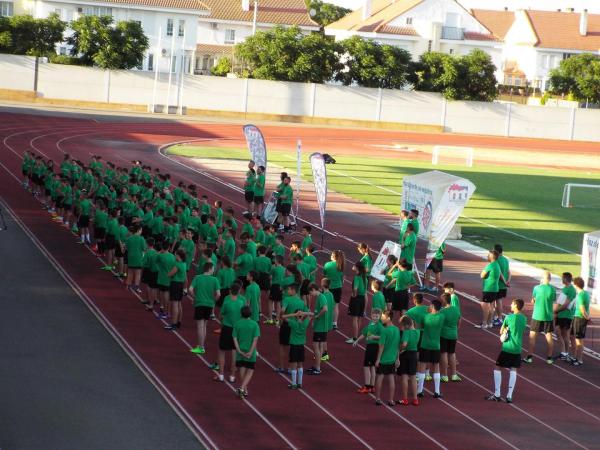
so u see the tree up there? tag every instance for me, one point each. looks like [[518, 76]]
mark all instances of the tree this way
[[285, 54], [222, 68], [326, 13], [5, 35], [97, 42], [578, 76], [370, 64], [35, 37]]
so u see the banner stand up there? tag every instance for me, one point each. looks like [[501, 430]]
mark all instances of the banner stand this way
[[319, 171]]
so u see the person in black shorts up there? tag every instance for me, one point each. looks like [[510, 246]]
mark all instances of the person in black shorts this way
[[298, 324], [581, 319], [387, 358], [371, 333], [408, 359], [275, 292]]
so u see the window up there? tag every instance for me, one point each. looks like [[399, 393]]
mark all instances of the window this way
[[545, 61], [62, 51], [139, 22], [150, 62], [6, 9], [58, 12], [181, 30], [409, 21], [451, 51], [97, 11], [230, 36], [169, 27]]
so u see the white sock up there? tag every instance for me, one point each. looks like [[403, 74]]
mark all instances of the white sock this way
[[300, 373], [427, 373], [87, 237], [294, 376], [497, 382], [420, 381], [512, 380], [82, 238], [436, 382]]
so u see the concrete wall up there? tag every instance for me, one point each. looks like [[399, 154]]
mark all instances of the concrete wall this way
[[308, 102]]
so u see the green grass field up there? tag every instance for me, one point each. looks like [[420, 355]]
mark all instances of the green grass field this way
[[518, 207]]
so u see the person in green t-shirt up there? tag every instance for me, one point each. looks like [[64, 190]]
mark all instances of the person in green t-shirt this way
[[564, 315], [290, 304], [365, 257], [449, 289], [320, 326], [231, 313], [276, 276], [306, 238], [334, 271], [149, 274], [378, 299], [436, 266], [581, 318], [448, 338], [511, 336], [372, 332], [298, 323], [402, 278], [490, 276], [85, 209], [165, 262], [387, 359], [418, 312], [285, 199], [542, 318], [330, 307], [206, 290], [408, 359], [136, 246], [245, 338], [259, 190], [249, 184], [357, 306], [429, 353], [178, 280], [252, 294], [408, 245], [503, 285]]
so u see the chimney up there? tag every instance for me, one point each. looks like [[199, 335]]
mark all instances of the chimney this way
[[246, 5], [366, 9], [583, 22]]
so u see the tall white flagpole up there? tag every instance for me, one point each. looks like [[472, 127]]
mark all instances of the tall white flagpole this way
[[156, 64], [170, 70], [181, 74], [298, 175]]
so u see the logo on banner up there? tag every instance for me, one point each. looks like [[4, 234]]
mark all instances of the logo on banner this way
[[320, 179], [458, 193], [427, 215], [592, 251], [256, 145]]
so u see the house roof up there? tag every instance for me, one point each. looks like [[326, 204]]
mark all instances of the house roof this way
[[382, 12], [214, 49], [281, 12], [166, 4], [473, 36], [498, 22], [403, 31]]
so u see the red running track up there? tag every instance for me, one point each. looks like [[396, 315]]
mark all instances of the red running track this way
[[554, 405]]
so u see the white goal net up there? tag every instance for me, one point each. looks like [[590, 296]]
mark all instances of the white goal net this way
[[576, 195], [453, 153]]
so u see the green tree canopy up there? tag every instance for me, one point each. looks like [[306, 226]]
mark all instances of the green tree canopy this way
[[326, 13], [370, 64], [97, 42], [222, 68], [578, 76], [25, 35]]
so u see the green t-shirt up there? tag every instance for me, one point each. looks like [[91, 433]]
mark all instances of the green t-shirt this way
[[262, 264], [455, 301], [411, 337], [250, 182], [245, 331], [390, 339], [516, 323], [490, 283], [136, 245], [205, 288], [278, 249], [252, 295], [410, 244], [212, 235], [100, 219], [451, 318], [404, 279], [569, 293], [432, 329], [288, 193], [330, 308], [188, 246], [311, 262], [229, 248], [373, 329], [504, 269], [439, 254], [360, 284], [165, 262], [244, 263], [181, 273], [298, 330], [417, 314], [545, 296], [321, 324], [149, 259], [290, 305], [335, 277], [306, 241], [277, 274], [583, 300], [85, 206], [378, 301], [367, 262], [226, 277], [259, 185], [232, 310]]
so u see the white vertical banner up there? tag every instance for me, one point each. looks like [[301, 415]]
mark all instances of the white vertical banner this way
[[380, 266], [298, 175], [256, 145], [319, 171], [590, 264]]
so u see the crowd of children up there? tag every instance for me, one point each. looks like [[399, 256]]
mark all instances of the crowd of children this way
[[172, 242]]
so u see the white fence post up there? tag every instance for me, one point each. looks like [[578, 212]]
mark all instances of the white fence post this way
[[444, 112], [313, 100], [245, 96], [107, 85], [508, 113], [572, 124], [379, 104]]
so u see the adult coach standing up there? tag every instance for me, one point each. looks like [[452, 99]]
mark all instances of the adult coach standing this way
[[542, 319], [249, 185], [503, 285], [491, 276]]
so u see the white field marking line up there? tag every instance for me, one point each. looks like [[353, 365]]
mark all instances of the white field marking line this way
[[541, 422], [194, 427], [27, 132]]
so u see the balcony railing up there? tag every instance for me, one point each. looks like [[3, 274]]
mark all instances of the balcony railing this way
[[453, 33]]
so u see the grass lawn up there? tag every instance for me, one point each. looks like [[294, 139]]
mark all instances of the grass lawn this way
[[518, 207]]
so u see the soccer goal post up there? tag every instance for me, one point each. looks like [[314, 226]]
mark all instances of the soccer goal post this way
[[466, 152], [576, 195]]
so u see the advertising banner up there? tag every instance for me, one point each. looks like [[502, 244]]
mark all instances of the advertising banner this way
[[590, 265], [380, 266], [319, 171], [256, 145]]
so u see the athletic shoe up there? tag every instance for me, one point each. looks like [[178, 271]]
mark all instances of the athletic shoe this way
[[563, 356], [350, 341], [509, 400], [528, 359], [497, 323], [335, 327], [437, 395], [391, 403], [493, 398], [293, 387], [239, 393], [315, 372], [420, 395], [212, 316], [415, 402], [280, 370], [570, 359], [214, 366], [444, 379], [219, 378], [482, 326], [163, 316], [364, 390], [456, 378], [269, 322], [299, 386], [403, 402], [231, 379], [325, 357], [550, 360], [198, 350], [428, 378], [106, 268], [378, 402], [577, 363]]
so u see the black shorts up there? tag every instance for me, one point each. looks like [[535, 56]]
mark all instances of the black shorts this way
[[436, 265], [489, 297], [153, 284], [223, 294], [304, 287], [67, 206], [83, 222], [370, 355], [243, 281], [246, 364], [579, 327], [509, 360], [119, 252], [502, 293], [163, 288], [146, 274], [296, 353], [400, 300], [278, 206], [284, 333], [542, 326], [59, 201], [111, 242], [356, 308], [429, 356], [320, 336], [176, 291], [286, 208], [263, 281], [337, 294], [563, 323], [226, 339], [385, 369], [388, 294], [249, 196], [259, 199], [447, 345], [99, 233], [408, 363], [202, 312], [275, 293]]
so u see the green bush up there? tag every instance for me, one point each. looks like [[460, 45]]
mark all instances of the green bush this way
[[64, 59], [222, 68]]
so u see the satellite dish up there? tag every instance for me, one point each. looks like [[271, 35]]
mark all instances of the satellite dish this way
[[312, 12]]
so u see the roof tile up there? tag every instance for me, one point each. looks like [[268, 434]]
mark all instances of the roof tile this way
[[382, 12], [167, 4], [282, 12]]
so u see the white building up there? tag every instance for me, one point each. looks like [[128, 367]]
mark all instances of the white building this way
[[170, 25]]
